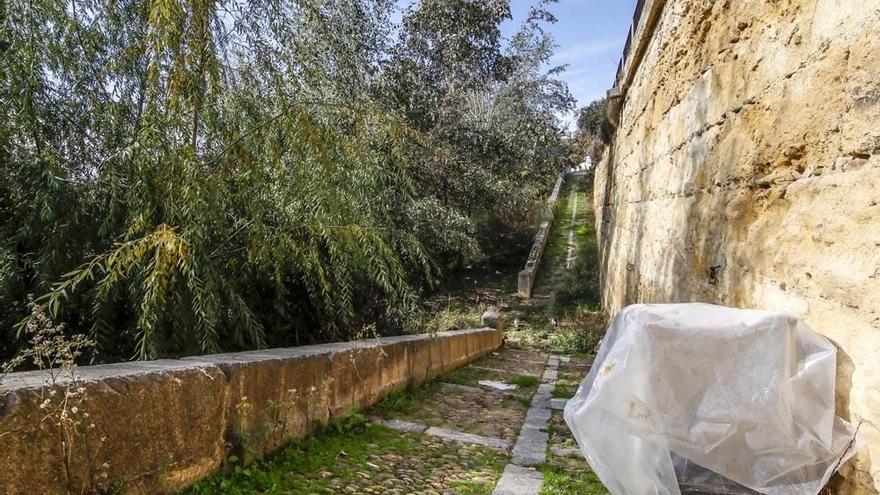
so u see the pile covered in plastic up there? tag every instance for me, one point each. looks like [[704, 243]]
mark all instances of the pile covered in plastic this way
[[695, 398]]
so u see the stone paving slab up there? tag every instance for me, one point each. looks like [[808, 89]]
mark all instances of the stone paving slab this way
[[537, 418], [505, 371], [458, 436], [472, 375], [526, 422], [531, 444], [543, 395], [521, 367], [517, 480], [566, 452], [482, 389], [530, 448], [400, 425], [448, 433]]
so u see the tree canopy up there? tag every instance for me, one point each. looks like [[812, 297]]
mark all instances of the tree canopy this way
[[184, 177], [592, 129]]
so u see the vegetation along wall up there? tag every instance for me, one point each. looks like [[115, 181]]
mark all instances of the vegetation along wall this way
[[745, 170]]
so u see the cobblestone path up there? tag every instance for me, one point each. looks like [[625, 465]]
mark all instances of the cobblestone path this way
[[523, 426], [459, 434]]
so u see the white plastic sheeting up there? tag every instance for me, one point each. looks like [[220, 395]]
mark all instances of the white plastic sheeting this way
[[696, 398]]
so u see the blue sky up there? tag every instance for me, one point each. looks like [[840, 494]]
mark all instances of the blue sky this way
[[590, 35]]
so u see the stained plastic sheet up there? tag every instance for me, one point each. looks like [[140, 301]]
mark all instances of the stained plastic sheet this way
[[696, 398]]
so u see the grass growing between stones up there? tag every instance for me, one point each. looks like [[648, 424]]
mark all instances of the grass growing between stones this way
[[560, 480], [564, 389], [560, 435], [570, 474], [404, 402], [479, 412], [573, 214], [524, 381], [465, 376], [470, 376], [365, 459]]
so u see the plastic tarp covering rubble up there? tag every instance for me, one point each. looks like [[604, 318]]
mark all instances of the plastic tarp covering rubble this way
[[695, 398]]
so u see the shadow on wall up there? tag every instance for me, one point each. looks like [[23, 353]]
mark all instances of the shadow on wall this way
[[605, 229], [856, 472]]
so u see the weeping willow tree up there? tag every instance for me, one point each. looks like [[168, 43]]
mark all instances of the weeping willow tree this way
[[201, 165], [189, 176]]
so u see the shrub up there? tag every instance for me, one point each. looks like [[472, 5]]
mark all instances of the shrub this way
[[581, 333]]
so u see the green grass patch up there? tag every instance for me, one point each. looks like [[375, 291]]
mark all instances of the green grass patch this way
[[564, 389], [357, 454], [524, 380], [559, 480], [464, 376], [457, 317], [404, 402], [283, 471]]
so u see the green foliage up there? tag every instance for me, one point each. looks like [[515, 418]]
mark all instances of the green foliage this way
[[404, 402], [490, 109], [562, 480], [591, 117], [564, 389], [465, 376], [580, 333], [353, 421], [191, 177], [580, 286], [591, 133], [455, 318], [330, 460], [524, 380]]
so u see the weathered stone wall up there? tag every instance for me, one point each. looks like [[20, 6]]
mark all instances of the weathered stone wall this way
[[160, 425], [525, 280], [745, 171]]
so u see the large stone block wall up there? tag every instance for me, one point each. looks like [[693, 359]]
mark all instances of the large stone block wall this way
[[745, 170], [161, 425]]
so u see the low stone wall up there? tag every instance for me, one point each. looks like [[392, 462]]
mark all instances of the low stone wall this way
[[158, 426], [526, 278]]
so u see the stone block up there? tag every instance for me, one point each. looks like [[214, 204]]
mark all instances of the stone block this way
[[157, 424]]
